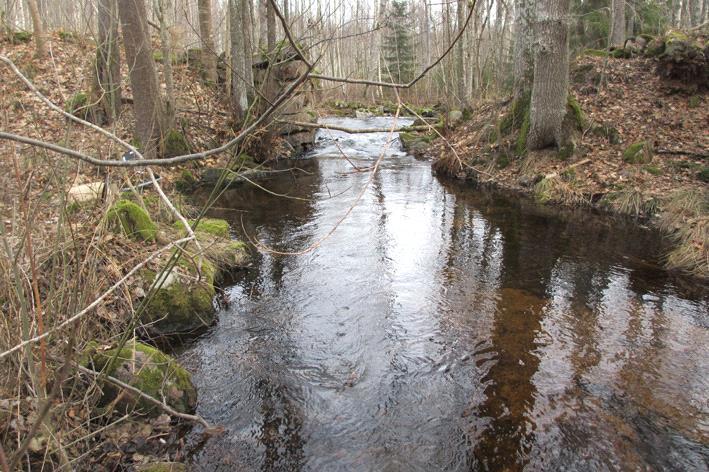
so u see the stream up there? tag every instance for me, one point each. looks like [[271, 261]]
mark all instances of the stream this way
[[445, 327]]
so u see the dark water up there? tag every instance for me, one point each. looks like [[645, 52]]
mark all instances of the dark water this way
[[447, 328]]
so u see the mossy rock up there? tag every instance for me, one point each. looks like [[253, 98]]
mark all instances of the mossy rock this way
[[66, 36], [620, 54], [187, 182], [183, 303], [22, 37], [608, 132], [596, 52], [638, 153], [703, 175], [132, 220], [162, 467], [79, 106], [174, 144], [655, 47], [213, 226], [416, 143], [149, 370]]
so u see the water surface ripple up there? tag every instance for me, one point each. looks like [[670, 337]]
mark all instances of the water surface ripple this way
[[447, 328]]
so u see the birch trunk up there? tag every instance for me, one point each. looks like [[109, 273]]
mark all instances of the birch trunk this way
[[551, 74]]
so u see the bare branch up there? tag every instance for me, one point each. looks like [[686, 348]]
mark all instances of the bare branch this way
[[303, 124]]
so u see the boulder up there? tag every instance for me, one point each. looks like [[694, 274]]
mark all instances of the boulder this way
[[454, 117], [132, 220], [86, 192], [149, 370], [182, 303]]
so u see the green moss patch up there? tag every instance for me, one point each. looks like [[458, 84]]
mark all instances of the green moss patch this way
[[183, 303], [78, 105], [638, 153], [132, 220], [149, 370], [213, 226], [174, 144]]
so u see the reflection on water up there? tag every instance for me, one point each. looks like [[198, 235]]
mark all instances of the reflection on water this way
[[447, 328]]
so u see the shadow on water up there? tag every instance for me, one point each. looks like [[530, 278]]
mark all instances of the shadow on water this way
[[444, 327]]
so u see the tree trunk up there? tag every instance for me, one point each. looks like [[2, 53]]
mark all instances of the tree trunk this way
[[263, 27], [685, 18], [523, 55], [37, 28], [551, 74], [246, 23], [617, 23], [107, 81], [271, 27], [239, 101], [460, 58], [169, 116], [147, 104], [209, 57], [695, 7]]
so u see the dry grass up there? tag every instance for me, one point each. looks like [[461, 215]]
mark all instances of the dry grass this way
[[685, 217], [556, 189]]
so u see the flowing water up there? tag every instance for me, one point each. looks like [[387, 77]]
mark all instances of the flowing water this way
[[443, 327]]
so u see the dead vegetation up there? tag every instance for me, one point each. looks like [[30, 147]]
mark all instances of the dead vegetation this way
[[624, 108]]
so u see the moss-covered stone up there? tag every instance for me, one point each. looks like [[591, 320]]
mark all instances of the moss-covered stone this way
[[596, 52], [620, 54], [638, 153], [566, 151], [78, 105], [132, 220], [607, 131], [187, 182], [149, 370], [22, 36], [213, 226], [174, 144], [703, 175], [183, 303], [416, 142], [162, 467]]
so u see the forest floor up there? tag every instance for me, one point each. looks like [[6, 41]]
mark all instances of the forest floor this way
[[666, 185]]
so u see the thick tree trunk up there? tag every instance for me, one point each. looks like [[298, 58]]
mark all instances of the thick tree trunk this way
[[523, 55], [209, 58], [107, 82], [239, 100], [147, 104], [618, 23], [551, 74], [38, 28]]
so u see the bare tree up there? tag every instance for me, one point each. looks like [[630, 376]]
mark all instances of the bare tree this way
[[147, 105], [209, 58], [617, 23], [551, 74], [37, 27], [460, 57], [239, 99], [107, 81]]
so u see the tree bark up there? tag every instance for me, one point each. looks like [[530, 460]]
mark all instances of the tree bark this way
[[523, 54], [239, 100], [617, 23], [209, 58], [37, 28], [107, 81], [271, 27], [551, 74], [460, 57], [248, 73], [147, 104], [169, 115]]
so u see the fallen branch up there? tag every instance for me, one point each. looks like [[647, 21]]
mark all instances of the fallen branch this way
[[671, 152], [353, 130]]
